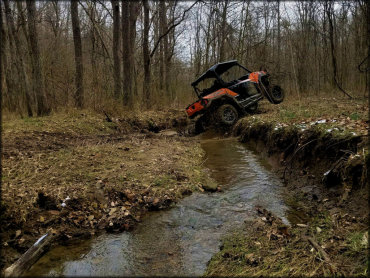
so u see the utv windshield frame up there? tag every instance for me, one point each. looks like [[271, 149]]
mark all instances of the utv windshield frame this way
[[215, 72]]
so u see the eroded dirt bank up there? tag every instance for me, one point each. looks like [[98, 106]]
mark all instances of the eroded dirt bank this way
[[83, 173], [324, 167]]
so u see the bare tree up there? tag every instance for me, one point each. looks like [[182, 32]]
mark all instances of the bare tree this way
[[130, 12], [146, 57], [116, 47], [127, 80], [222, 35], [79, 94], [4, 70], [330, 13], [147, 54], [162, 28], [38, 81], [310, 52], [18, 57]]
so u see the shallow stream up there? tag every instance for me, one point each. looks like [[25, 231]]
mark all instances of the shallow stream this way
[[182, 239]]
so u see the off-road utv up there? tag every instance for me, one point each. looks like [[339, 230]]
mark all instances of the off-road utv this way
[[228, 91]]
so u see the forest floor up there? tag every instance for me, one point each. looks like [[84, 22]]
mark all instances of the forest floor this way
[[320, 149], [78, 173]]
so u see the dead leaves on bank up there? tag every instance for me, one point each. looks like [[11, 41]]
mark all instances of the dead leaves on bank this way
[[97, 183]]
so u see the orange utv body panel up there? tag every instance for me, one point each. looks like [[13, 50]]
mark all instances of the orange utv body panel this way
[[254, 76], [195, 107], [220, 92], [201, 104]]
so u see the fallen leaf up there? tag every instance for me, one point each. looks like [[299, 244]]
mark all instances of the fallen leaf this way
[[365, 240], [112, 210], [54, 212], [18, 233]]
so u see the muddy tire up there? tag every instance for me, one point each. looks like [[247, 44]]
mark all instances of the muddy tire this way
[[227, 114], [199, 126], [277, 95]]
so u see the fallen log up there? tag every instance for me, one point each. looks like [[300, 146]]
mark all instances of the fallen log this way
[[31, 255]]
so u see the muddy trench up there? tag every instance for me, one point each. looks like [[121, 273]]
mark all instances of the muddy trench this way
[[182, 239]]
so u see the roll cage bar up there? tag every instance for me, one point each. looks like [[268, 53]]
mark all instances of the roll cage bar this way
[[215, 71]]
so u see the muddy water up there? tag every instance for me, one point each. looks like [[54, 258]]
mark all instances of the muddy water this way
[[181, 240]]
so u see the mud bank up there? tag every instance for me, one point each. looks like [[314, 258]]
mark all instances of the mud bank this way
[[326, 180], [84, 173], [327, 161]]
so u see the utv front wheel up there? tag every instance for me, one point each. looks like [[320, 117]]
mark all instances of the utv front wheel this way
[[277, 94], [227, 114], [199, 125]]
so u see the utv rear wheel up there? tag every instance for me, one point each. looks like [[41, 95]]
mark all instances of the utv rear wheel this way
[[227, 114], [277, 94]]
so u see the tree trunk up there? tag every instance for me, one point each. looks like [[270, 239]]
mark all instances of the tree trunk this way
[[127, 79], [164, 48], [22, 22], [18, 58], [367, 30], [10, 84], [222, 54], [2, 48], [38, 81], [146, 56], [116, 45], [4, 74], [278, 37], [130, 12], [96, 88], [329, 12], [134, 13], [78, 54]]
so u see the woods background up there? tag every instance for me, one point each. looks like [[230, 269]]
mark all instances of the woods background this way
[[144, 54]]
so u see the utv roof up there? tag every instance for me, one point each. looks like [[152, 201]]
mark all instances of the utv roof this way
[[218, 69]]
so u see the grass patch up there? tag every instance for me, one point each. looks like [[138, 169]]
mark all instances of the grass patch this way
[[349, 114], [74, 122], [355, 116], [163, 181], [287, 115], [250, 251], [357, 242]]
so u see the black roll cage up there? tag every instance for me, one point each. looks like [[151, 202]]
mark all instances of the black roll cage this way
[[214, 72]]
